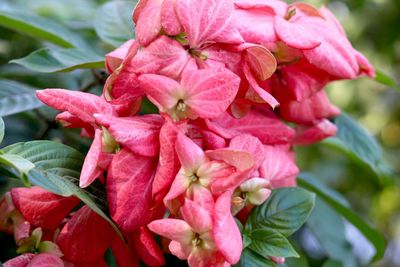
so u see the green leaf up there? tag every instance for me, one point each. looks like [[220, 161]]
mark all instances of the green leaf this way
[[39, 27], [386, 80], [374, 236], [16, 97], [1, 130], [356, 142], [267, 242], [321, 222], [250, 258], [49, 156], [286, 210], [17, 162], [55, 166], [54, 60], [113, 22]]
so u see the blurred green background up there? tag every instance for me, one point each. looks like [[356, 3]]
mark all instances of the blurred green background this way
[[373, 26]]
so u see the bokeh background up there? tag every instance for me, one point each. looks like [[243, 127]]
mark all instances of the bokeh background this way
[[373, 26]]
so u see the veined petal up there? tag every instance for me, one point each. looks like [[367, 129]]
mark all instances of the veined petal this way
[[173, 229], [148, 24], [240, 159], [42, 208], [169, 18], [46, 260], [78, 235], [164, 92], [204, 20], [20, 261], [210, 91], [198, 218], [82, 105], [139, 134], [190, 155], [182, 252], [115, 58], [129, 189], [168, 163], [261, 62], [312, 134], [147, 247], [225, 231], [90, 169], [250, 144], [264, 95]]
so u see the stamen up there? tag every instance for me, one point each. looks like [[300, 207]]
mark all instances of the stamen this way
[[181, 106]]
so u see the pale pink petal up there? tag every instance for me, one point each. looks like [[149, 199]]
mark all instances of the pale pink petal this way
[[229, 183], [312, 134], [182, 252], [263, 125], [256, 24], [226, 233], [263, 94], [296, 34], [138, 134], [261, 62], [240, 159], [163, 56], [335, 55], [168, 163], [365, 67], [46, 260], [169, 19], [278, 164], [302, 80], [90, 169], [82, 105], [20, 261], [178, 187], [190, 155], [250, 144], [115, 58], [308, 111], [279, 7], [210, 91], [173, 229], [148, 24], [147, 248], [164, 92], [138, 9], [197, 217], [129, 189], [205, 20]]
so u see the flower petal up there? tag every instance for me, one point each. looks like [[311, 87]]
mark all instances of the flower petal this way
[[173, 229], [209, 92], [198, 218], [129, 189], [226, 233], [82, 105], [190, 155], [42, 208]]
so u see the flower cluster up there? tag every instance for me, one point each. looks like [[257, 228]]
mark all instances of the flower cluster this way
[[226, 76]]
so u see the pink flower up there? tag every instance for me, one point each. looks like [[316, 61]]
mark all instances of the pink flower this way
[[202, 93]]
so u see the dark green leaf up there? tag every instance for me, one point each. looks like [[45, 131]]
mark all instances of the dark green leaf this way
[[49, 156], [110, 259], [22, 165], [321, 222], [375, 237], [56, 166], [285, 211], [39, 27], [53, 60], [386, 80], [356, 142], [267, 242], [251, 259], [1, 130], [16, 97], [113, 22]]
